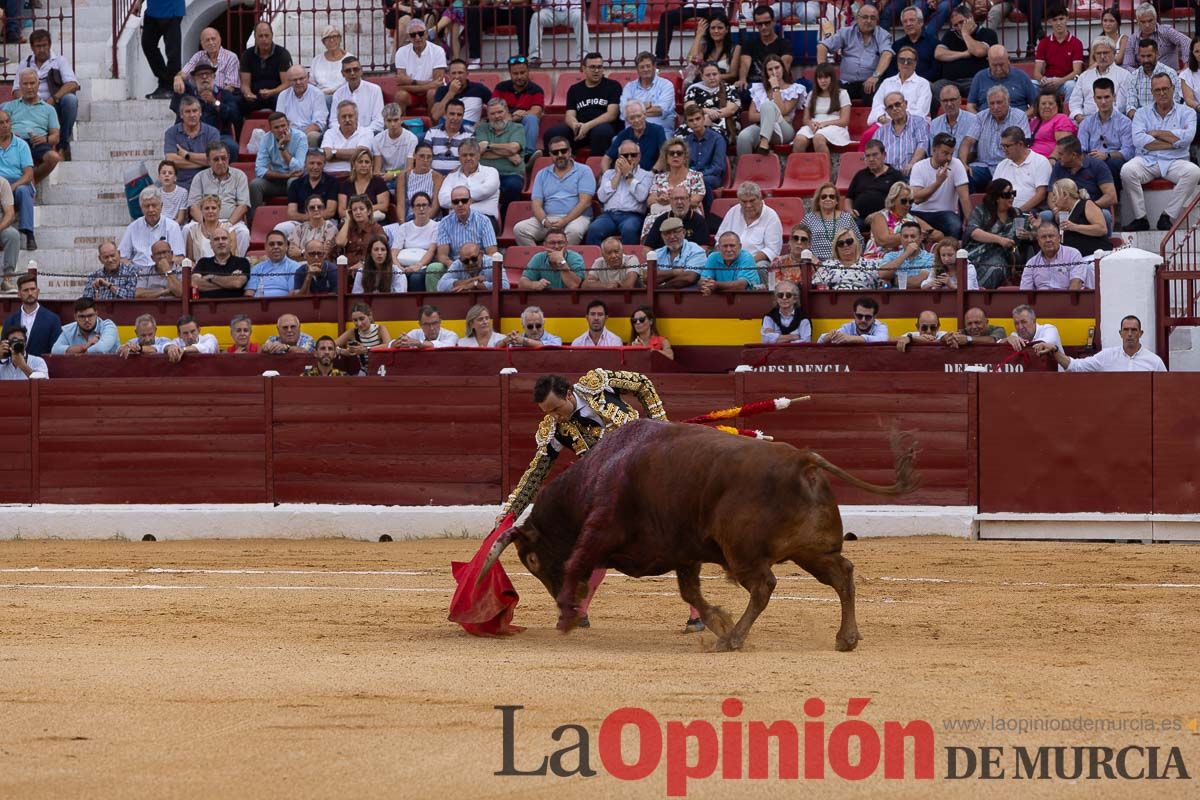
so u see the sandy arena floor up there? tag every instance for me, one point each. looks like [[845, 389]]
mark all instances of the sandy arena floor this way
[[328, 668]]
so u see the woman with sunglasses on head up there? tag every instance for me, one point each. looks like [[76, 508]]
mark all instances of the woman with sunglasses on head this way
[[672, 170], [789, 265], [773, 102], [991, 231], [712, 42], [826, 218], [885, 223], [847, 269], [785, 322], [645, 332]]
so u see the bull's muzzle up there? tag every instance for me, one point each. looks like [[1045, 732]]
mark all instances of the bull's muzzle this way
[[497, 548]]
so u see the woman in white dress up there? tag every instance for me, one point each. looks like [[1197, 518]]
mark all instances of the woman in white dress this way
[[414, 245], [774, 103], [480, 332], [827, 114]]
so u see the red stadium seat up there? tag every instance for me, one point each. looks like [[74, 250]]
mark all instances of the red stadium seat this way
[[790, 210], [762, 169], [590, 253], [859, 121], [517, 210], [558, 102], [244, 166], [544, 80], [387, 83], [623, 77], [539, 164], [488, 79], [804, 173], [852, 163], [516, 259], [6, 92], [596, 165], [1024, 66], [635, 250], [721, 206], [248, 129], [265, 220], [676, 80]]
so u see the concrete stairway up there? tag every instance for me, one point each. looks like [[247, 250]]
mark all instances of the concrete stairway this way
[[83, 202]]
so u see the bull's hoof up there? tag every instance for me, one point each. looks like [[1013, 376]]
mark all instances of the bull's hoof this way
[[719, 621], [848, 642], [571, 619], [726, 644]]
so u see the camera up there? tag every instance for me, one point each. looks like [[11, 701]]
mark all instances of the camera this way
[[17, 346]]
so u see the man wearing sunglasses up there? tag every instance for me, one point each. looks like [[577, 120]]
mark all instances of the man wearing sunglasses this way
[[768, 42], [906, 81], [989, 152], [533, 331], [865, 327], [471, 272], [366, 96], [928, 331], [420, 66], [695, 222], [562, 199], [623, 190]]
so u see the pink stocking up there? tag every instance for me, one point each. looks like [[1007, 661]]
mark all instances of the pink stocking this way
[[593, 584]]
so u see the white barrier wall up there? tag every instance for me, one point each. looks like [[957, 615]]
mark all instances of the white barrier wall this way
[[1127, 287]]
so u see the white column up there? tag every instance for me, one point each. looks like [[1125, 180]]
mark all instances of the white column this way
[[1127, 287]]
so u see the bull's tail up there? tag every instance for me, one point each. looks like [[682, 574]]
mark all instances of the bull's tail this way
[[904, 449]]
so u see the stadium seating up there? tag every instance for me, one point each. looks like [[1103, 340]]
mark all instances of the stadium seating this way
[[803, 174], [248, 129], [265, 220], [596, 165], [761, 169], [851, 164], [539, 163], [517, 211]]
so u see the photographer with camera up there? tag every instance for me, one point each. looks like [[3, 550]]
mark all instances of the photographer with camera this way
[[15, 363]]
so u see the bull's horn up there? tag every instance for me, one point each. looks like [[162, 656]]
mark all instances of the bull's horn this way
[[497, 548]]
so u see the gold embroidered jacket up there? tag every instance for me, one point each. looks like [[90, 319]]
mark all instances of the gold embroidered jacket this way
[[601, 390]]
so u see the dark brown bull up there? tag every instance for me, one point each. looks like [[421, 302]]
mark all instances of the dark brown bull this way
[[657, 496]]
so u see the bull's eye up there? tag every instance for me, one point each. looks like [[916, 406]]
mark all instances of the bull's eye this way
[[531, 561]]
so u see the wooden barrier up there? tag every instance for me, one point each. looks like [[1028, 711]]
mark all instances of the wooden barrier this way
[[1034, 443], [884, 357]]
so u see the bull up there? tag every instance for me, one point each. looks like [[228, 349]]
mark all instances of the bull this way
[[655, 496]]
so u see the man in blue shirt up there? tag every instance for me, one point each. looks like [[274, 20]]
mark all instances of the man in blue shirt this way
[[88, 333], [729, 267], [275, 275], [656, 93], [316, 275], [162, 21], [1022, 91], [16, 167], [562, 198], [649, 137], [280, 160], [679, 261], [864, 328], [1162, 134], [1107, 135], [706, 151]]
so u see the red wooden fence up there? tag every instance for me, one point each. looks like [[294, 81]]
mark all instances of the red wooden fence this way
[[1033, 443]]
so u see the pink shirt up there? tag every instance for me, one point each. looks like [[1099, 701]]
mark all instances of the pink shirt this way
[[1044, 132]]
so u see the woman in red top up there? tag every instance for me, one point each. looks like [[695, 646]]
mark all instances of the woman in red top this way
[[645, 332], [240, 328]]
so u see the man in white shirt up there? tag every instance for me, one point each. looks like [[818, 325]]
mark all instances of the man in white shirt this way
[[430, 335], [394, 145], [1028, 332], [366, 96], [916, 90], [190, 340], [597, 335], [304, 107], [756, 224], [939, 185], [928, 331], [483, 182], [420, 66], [1129, 357], [340, 143], [141, 234], [1027, 171], [1081, 103]]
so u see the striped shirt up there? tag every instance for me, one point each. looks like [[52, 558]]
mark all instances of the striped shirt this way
[[966, 126], [228, 66], [901, 146], [478, 229], [988, 150], [124, 282], [1137, 88], [445, 147]]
